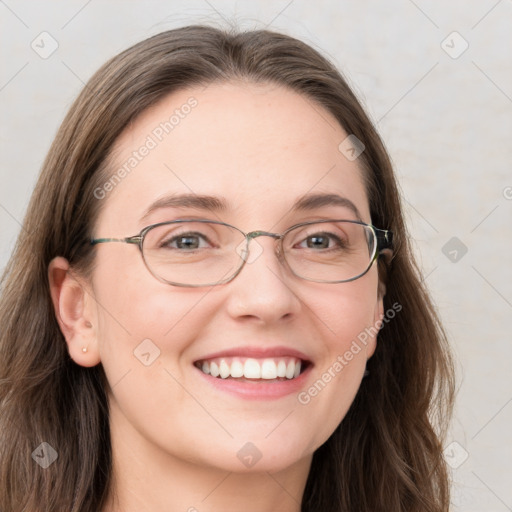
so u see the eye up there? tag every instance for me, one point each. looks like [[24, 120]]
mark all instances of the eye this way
[[322, 240], [186, 241]]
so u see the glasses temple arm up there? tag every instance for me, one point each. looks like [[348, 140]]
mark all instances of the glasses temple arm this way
[[130, 240], [384, 239]]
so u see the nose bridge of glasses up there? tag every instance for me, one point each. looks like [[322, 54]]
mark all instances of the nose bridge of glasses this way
[[256, 234]]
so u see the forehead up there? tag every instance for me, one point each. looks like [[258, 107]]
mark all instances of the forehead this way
[[261, 147]]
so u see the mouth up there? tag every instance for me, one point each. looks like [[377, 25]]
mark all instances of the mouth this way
[[253, 369], [256, 373]]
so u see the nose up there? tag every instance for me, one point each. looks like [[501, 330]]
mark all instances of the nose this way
[[264, 290]]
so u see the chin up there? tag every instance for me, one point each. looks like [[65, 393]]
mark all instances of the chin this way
[[259, 455]]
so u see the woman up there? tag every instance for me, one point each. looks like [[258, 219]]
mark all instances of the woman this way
[[212, 304]]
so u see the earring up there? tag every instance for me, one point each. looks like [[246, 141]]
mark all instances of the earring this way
[[84, 349]]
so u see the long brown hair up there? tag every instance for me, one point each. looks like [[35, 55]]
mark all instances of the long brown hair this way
[[385, 455]]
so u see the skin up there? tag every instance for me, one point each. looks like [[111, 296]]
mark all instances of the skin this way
[[175, 438]]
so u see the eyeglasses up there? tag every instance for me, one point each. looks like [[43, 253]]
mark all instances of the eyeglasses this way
[[196, 253]]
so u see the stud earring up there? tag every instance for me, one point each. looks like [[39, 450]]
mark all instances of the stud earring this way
[[84, 349]]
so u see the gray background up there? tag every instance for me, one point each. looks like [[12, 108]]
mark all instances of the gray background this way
[[444, 110]]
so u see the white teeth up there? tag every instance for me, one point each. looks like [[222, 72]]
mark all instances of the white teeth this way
[[224, 369], [237, 369], [267, 369], [281, 369], [290, 370], [252, 369], [214, 370]]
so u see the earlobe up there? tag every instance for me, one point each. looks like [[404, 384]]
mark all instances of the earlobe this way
[[74, 312]]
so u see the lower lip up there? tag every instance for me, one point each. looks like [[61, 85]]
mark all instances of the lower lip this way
[[258, 390]]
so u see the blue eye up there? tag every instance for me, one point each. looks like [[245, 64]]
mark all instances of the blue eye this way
[[187, 241]]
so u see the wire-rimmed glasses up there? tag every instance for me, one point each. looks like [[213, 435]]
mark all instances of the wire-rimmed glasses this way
[[197, 252]]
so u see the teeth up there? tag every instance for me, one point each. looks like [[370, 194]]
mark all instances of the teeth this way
[[224, 369], [269, 369], [237, 369], [266, 369], [214, 370], [252, 369], [290, 370], [297, 370]]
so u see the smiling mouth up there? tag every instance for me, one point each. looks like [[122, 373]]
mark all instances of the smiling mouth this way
[[253, 369]]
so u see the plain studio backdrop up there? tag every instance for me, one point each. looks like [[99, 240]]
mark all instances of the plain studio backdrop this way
[[435, 77]]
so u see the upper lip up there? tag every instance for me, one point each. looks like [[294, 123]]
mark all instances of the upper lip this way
[[257, 353]]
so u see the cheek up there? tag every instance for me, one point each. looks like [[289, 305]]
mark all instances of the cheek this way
[[346, 321], [138, 315], [346, 311], [144, 331]]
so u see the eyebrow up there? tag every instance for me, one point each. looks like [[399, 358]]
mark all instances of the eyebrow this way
[[307, 202], [315, 201], [194, 201]]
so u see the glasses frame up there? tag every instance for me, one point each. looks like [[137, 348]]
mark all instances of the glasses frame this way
[[383, 238]]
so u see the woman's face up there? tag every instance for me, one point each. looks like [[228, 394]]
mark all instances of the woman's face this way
[[259, 149]]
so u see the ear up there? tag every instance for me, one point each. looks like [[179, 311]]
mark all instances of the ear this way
[[74, 311]]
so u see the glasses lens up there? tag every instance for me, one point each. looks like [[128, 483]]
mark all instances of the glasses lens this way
[[193, 253], [330, 251]]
